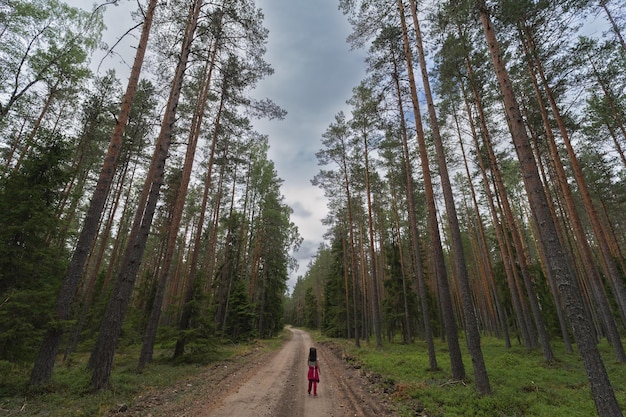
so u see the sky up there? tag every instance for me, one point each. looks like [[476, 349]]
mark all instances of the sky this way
[[314, 73]]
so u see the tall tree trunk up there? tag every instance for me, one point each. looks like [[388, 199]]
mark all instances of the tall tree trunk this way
[[101, 360], [365, 320], [179, 206], [353, 267], [447, 310], [611, 269], [346, 285], [408, 334], [490, 288], [471, 324], [601, 388], [514, 250], [504, 247], [588, 261], [185, 319], [415, 243], [42, 370], [95, 269], [372, 250]]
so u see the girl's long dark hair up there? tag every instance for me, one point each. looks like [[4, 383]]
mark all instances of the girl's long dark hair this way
[[312, 354]]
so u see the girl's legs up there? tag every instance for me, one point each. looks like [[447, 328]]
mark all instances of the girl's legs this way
[[315, 388], [311, 383]]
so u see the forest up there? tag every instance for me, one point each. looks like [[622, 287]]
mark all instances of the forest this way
[[477, 186], [139, 212]]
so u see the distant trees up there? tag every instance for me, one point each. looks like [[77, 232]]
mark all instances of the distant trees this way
[[483, 212], [483, 196], [196, 238]]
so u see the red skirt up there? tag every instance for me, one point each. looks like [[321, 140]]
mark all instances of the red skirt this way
[[313, 375]]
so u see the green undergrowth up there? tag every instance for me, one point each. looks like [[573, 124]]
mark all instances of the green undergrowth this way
[[523, 384], [69, 394]]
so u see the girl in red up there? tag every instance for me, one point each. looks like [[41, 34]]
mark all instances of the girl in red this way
[[314, 369]]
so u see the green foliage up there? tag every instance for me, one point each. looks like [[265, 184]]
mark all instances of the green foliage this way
[[393, 302], [241, 318], [44, 42], [31, 267], [334, 322], [69, 394], [23, 323], [523, 384], [27, 201], [201, 344], [311, 313]]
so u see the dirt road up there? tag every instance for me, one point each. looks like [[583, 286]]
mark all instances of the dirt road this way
[[267, 385], [279, 388]]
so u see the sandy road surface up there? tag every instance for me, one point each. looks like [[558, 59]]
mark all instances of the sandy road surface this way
[[278, 388], [267, 384]]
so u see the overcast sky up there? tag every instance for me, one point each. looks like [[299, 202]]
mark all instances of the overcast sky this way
[[314, 73]]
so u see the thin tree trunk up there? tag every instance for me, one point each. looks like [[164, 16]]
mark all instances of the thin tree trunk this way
[[415, 243], [101, 360], [353, 266], [601, 388], [93, 276], [179, 206], [482, 246], [447, 310], [33, 132], [346, 287], [614, 26], [588, 262], [608, 96], [471, 325], [408, 334], [365, 321], [185, 319], [504, 247], [42, 370], [372, 250]]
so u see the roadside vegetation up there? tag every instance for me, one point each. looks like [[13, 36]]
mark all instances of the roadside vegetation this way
[[69, 392], [475, 186], [523, 383]]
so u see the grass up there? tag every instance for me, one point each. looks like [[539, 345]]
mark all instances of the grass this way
[[523, 384], [69, 394]]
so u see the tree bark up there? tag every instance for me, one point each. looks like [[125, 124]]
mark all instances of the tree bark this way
[[101, 360], [611, 269], [581, 239], [415, 244], [489, 286], [42, 370], [601, 388], [471, 324], [447, 310], [372, 249], [173, 228]]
